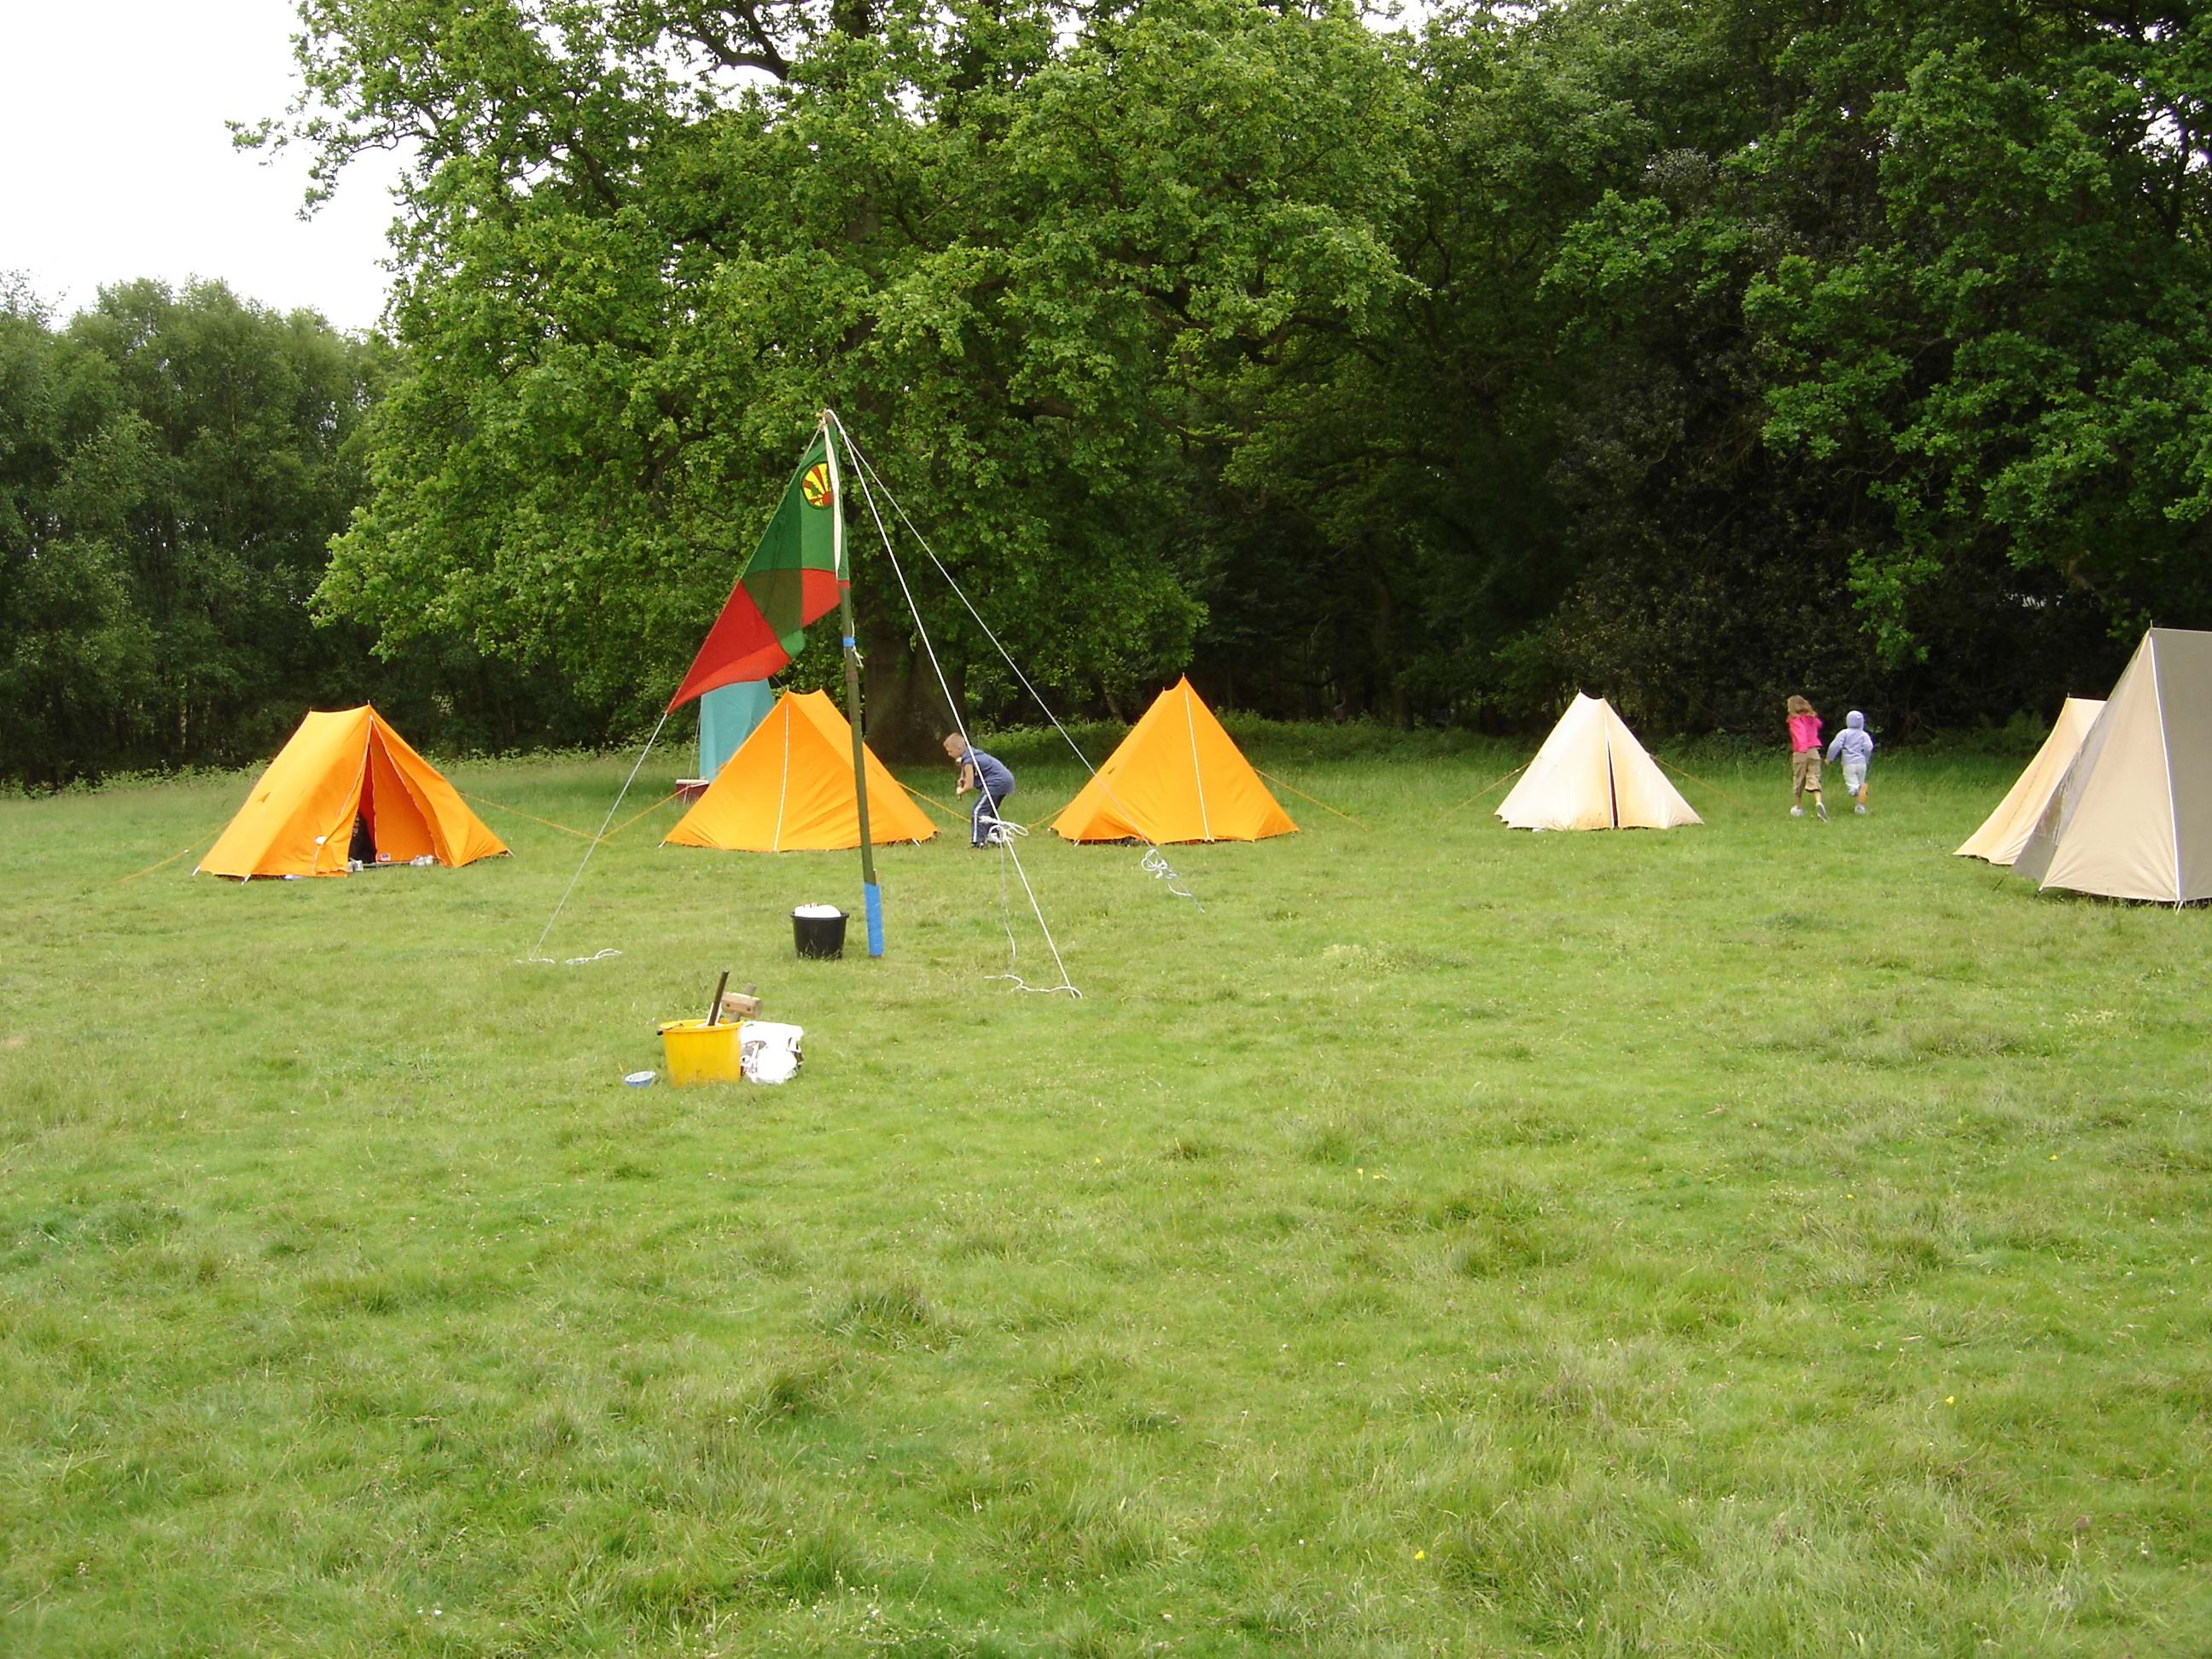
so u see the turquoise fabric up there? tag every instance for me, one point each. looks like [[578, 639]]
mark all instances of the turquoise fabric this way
[[726, 718]]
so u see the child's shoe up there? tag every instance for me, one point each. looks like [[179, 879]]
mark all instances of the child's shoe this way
[[1796, 812], [1860, 810], [1821, 807]]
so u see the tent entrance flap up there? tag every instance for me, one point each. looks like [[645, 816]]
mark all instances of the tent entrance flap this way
[[397, 822]]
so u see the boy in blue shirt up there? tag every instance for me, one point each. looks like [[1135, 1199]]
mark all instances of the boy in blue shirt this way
[[993, 784], [1856, 745]]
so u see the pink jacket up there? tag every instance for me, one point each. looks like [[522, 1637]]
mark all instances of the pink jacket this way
[[1804, 732]]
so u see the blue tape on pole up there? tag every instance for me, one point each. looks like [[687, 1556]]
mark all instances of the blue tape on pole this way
[[850, 641], [875, 898]]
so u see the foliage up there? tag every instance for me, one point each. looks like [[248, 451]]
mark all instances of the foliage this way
[[1011, 266], [172, 468], [2013, 349], [1695, 356]]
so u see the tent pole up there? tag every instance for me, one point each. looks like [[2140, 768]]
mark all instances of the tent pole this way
[[872, 894]]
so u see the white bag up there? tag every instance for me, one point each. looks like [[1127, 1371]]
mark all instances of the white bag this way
[[767, 1052]]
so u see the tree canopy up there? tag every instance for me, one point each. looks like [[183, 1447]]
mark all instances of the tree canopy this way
[[173, 467], [1691, 354]]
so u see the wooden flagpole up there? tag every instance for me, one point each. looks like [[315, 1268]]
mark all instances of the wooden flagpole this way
[[872, 895]]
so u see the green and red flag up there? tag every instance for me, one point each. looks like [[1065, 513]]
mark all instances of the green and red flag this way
[[789, 581]]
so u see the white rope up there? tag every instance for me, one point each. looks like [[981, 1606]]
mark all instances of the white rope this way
[[537, 950], [1013, 951], [1004, 843], [867, 471], [1156, 865]]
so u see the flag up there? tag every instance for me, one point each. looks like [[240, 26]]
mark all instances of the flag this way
[[791, 580]]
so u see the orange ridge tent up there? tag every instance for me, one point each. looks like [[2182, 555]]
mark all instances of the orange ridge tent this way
[[339, 766], [788, 788], [1177, 776]]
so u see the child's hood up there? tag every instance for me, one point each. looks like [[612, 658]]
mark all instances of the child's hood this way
[[1856, 720]]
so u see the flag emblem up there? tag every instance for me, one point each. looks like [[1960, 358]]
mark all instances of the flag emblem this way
[[790, 580]]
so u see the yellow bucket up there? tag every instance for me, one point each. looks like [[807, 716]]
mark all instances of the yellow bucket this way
[[700, 1053]]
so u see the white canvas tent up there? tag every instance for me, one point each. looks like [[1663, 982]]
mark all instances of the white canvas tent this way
[[2005, 831], [1591, 774], [2132, 819]]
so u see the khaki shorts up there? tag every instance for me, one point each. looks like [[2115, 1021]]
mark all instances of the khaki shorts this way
[[1805, 770]]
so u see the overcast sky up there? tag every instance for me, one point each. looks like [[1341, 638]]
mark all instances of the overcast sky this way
[[118, 164]]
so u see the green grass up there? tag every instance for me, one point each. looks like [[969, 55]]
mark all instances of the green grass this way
[[1761, 1238]]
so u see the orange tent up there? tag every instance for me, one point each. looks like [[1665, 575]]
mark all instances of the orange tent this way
[[789, 788], [1177, 776], [342, 765]]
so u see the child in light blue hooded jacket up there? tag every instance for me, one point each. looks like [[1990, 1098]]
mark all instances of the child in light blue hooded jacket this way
[[1855, 744]]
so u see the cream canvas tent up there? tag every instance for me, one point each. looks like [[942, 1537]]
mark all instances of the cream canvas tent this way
[[2005, 831], [789, 788], [1177, 776], [2132, 819], [1591, 774], [343, 767]]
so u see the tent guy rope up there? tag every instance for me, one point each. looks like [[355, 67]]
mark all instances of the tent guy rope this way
[[537, 951], [1701, 783], [867, 473], [870, 482], [1485, 790], [500, 805], [1302, 795], [151, 868], [648, 813]]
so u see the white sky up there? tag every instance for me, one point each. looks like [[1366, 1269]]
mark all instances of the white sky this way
[[118, 164]]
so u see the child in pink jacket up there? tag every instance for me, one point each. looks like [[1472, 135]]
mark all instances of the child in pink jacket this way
[[1805, 758]]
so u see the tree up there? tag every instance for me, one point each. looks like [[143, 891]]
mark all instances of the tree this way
[[1018, 265], [171, 470], [2015, 349]]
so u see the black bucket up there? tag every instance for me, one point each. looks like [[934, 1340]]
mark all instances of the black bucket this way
[[818, 936]]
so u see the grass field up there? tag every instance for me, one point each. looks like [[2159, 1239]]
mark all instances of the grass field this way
[[1761, 1238]]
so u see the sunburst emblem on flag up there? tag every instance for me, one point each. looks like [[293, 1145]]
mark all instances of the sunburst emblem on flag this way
[[816, 485]]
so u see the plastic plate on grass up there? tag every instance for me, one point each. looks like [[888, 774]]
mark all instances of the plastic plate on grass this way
[[639, 1079]]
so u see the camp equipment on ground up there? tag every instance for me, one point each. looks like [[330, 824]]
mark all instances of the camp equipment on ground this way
[[345, 773], [768, 1052], [698, 1052], [2132, 817], [2006, 830], [789, 788], [1591, 774], [818, 930], [753, 1050], [1177, 776]]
